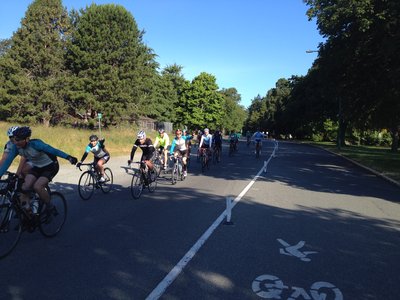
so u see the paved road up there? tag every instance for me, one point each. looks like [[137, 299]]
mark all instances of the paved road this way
[[314, 224]]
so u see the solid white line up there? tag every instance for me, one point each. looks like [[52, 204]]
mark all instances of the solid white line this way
[[171, 276]]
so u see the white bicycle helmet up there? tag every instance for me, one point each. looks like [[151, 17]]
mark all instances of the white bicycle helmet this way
[[10, 131], [141, 135]]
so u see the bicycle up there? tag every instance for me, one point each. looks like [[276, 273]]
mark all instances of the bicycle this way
[[158, 163], [258, 149], [216, 154], [177, 169], [15, 219], [90, 180], [142, 178], [204, 157]]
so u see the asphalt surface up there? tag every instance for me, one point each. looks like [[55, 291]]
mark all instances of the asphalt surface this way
[[314, 226]]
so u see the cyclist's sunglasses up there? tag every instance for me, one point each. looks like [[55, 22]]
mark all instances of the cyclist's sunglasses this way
[[19, 139]]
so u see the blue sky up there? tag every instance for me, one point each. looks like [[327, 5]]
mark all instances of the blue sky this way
[[247, 45]]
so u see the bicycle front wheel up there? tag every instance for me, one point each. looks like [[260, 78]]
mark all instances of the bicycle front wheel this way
[[174, 174], [204, 162], [10, 227], [52, 221], [157, 166], [153, 183], [86, 185], [108, 184], [136, 186]]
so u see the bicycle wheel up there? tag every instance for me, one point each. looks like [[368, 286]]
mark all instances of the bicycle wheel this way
[[157, 166], [153, 183], [257, 151], [174, 174], [51, 222], [107, 185], [10, 227], [204, 162], [86, 185], [136, 186]]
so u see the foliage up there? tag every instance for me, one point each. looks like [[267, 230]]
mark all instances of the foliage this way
[[32, 89], [201, 105], [113, 71]]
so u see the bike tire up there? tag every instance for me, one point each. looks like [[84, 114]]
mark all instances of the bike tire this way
[[137, 186], [157, 166], [153, 184], [52, 223], [86, 185], [10, 227], [174, 174], [203, 163], [107, 186]]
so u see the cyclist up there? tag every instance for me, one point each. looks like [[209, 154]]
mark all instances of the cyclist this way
[[148, 151], [101, 155], [43, 159], [234, 139], [189, 138], [217, 138], [162, 139], [257, 137], [180, 143], [206, 142]]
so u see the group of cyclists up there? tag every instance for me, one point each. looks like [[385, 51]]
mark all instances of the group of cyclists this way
[[38, 164]]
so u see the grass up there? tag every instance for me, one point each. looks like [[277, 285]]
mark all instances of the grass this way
[[73, 141], [380, 159]]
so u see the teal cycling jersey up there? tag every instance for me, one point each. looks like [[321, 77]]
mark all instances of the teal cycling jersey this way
[[180, 143], [36, 151]]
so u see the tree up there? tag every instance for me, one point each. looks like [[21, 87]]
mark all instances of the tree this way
[[114, 72], [234, 115], [202, 103], [33, 68], [361, 55]]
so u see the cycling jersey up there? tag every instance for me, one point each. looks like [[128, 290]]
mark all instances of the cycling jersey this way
[[217, 137], [206, 141], [180, 143], [36, 151], [8, 146], [147, 149], [258, 136], [163, 141], [98, 150]]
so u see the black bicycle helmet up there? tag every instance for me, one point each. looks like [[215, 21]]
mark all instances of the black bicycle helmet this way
[[23, 132], [93, 137]]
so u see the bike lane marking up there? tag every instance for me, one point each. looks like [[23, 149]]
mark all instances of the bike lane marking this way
[[177, 269]]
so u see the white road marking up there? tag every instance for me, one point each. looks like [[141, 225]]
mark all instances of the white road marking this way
[[173, 274]]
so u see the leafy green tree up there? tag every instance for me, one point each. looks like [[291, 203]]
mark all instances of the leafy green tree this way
[[33, 68], [114, 71], [171, 92], [234, 115], [202, 103], [361, 57]]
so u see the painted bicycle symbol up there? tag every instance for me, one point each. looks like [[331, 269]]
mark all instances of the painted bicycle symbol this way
[[271, 287]]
